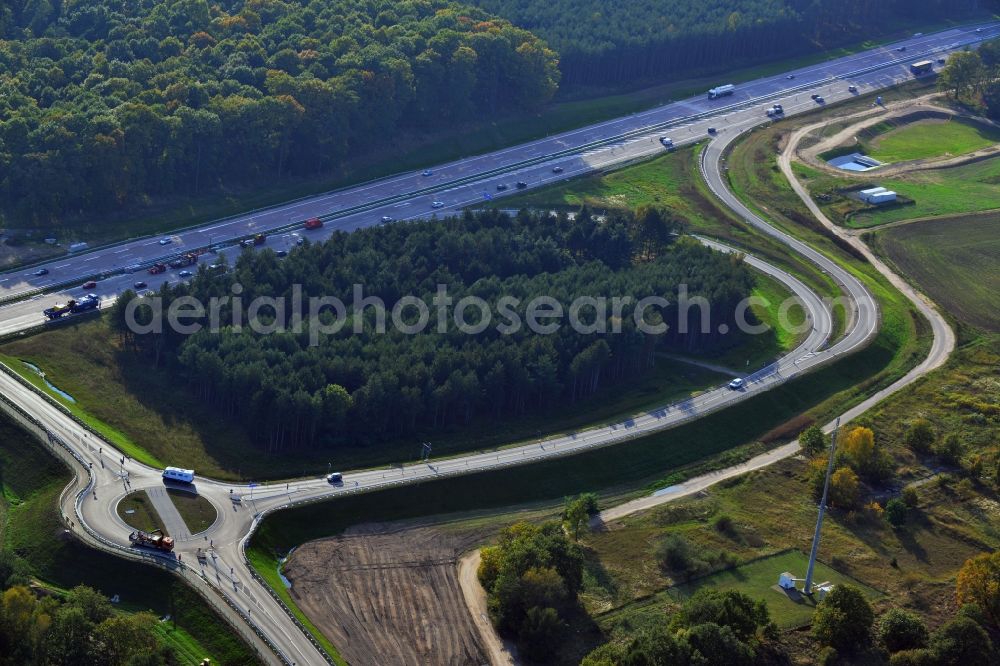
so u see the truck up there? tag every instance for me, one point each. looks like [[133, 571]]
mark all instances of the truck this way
[[156, 269], [721, 91], [258, 239], [314, 223], [184, 260], [155, 540], [922, 67], [72, 306], [77, 247]]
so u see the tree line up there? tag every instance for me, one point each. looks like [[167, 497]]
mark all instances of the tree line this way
[[105, 104], [341, 390], [610, 43], [80, 627], [973, 77]]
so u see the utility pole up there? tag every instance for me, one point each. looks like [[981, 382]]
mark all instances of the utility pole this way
[[822, 510], [426, 452]]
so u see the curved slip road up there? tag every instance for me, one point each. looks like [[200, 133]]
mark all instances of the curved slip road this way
[[223, 575]]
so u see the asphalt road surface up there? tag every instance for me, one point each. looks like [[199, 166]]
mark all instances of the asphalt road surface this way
[[213, 562]]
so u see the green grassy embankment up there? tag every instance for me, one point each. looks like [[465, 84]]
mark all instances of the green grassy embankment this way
[[932, 139], [30, 527]]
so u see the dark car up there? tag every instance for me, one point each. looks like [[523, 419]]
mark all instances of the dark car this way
[[712, 130], [140, 285], [90, 284], [501, 187], [281, 253], [41, 271], [557, 169], [814, 96], [521, 184], [336, 478]]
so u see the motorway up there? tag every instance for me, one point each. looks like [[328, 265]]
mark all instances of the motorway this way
[[222, 572]]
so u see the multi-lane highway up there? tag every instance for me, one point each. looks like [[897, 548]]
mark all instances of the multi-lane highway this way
[[213, 561]]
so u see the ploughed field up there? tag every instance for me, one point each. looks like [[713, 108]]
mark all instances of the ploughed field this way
[[388, 596]]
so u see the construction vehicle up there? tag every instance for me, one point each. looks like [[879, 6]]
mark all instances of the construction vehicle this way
[[156, 269], [155, 540], [314, 223], [721, 91], [185, 260], [88, 302]]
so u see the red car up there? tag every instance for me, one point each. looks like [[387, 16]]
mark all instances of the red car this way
[[88, 285]]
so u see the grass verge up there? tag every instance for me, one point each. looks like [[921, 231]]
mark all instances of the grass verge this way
[[267, 564], [196, 511], [133, 403], [138, 512]]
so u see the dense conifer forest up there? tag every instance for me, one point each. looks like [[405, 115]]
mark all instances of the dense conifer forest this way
[[359, 388]]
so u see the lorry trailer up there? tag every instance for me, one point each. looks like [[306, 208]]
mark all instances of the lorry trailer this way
[[721, 91], [155, 540], [72, 306]]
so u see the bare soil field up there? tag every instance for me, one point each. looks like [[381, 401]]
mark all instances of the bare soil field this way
[[388, 595]]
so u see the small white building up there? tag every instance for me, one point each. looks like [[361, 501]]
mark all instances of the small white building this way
[[877, 195], [786, 581]]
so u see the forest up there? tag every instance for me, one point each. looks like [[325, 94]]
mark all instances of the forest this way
[[108, 103], [295, 394], [610, 43]]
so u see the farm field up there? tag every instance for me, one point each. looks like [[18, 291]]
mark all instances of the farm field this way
[[956, 261], [932, 138], [388, 595]]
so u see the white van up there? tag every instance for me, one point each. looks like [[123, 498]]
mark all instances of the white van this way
[[178, 474]]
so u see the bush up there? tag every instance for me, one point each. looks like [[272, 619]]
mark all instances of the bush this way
[[919, 436], [845, 489], [949, 450], [979, 584], [675, 555], [961, 642], [843, 620], [895, 512], [812, 440], [911, 498], [727, 608], [725, 525], [540, 633], [900, 630], [922, 657]]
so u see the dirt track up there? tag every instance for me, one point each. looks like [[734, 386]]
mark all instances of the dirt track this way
[[389, 596]]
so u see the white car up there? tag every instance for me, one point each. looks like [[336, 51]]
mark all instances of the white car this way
[[426, 173], [437, 204], [185, 274], [166, 241], [736, 384]]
